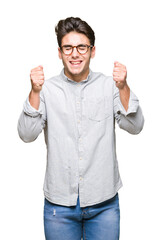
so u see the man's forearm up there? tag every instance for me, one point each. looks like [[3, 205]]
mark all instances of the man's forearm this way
[[34, 99], [124, 96]]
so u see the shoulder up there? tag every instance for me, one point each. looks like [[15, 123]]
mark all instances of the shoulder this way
[[52, 82], [51, 86]]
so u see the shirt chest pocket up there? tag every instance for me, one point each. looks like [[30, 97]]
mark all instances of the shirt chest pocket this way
[[98, 109]]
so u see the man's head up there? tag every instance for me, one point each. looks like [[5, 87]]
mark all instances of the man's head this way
[[74, 25], [76, 46]]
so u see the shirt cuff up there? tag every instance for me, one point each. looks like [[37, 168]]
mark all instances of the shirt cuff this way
[[29, 110], [132, 106]]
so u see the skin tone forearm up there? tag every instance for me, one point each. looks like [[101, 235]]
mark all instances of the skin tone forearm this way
[[37, 81], [119, 76], [124, 96], [34, 99]]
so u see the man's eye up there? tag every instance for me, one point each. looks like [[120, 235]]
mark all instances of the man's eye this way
[[82, 47], [67, 48]]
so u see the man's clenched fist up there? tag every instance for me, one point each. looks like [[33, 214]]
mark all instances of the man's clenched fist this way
[[119, 74], [37, 78]]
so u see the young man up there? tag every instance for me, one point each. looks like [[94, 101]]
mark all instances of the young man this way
[[77, 111]]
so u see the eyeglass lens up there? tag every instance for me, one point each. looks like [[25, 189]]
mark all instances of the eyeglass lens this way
[[68, 49]]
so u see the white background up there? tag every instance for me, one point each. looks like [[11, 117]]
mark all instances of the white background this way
[[126, 31]]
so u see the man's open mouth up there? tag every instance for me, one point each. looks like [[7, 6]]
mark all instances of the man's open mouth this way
[[75, 62]]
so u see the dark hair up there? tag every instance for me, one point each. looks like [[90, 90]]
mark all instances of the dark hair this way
[[74, 24]]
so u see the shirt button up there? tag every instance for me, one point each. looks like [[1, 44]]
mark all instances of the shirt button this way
[[78, 121], [81, 158], [81, 178]]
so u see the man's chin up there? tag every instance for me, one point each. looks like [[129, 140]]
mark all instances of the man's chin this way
[[76, 74]]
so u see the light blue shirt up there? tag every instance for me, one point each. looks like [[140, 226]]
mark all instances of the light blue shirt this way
[[79, 126]]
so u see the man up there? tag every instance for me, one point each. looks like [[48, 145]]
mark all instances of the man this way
[[77, 111]]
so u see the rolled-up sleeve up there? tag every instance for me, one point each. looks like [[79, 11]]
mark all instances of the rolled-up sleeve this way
[[131, 120], [31, 121]]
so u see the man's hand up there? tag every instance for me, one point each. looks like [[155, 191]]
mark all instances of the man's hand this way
[[37, 79], [119, 75]]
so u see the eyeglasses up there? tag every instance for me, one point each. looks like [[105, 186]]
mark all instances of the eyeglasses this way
[[81, 48]]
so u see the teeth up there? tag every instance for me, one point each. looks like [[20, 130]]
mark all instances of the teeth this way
[[75, 62]]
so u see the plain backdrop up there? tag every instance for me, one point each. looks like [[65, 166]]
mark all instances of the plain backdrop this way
[[126, 31]]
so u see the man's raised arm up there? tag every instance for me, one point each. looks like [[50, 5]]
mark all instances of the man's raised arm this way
[[33, 117], [126, 105]]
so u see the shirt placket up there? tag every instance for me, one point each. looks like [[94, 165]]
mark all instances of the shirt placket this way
[[80, 137]]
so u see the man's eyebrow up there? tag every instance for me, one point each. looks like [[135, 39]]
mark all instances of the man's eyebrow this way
[[67, 45]]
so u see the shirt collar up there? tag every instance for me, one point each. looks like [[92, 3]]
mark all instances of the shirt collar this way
[[65, 78]]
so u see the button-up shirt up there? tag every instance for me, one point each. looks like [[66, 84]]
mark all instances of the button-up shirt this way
[[78, 119]]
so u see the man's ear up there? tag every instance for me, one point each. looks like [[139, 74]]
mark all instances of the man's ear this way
[[93, 52], [59, 53]]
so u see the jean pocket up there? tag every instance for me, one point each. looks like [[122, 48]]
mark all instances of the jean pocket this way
[[99, 109]]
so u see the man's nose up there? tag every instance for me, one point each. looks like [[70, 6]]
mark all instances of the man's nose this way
[[75, 52]]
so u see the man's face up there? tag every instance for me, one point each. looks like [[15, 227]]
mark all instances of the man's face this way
[[76, 66]]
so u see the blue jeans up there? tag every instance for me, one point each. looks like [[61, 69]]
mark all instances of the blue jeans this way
[[97, 222]]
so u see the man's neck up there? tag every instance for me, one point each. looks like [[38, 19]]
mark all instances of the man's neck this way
[[77, 77]]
